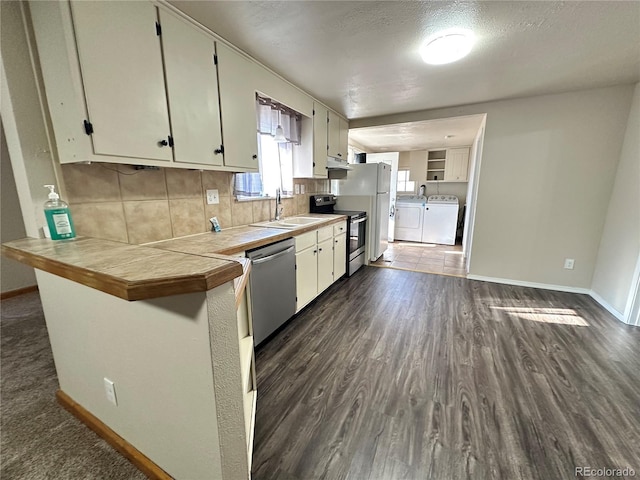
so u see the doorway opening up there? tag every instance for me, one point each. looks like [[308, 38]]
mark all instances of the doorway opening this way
[[435, 176]]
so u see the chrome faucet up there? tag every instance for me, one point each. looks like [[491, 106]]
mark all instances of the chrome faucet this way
[[278, 205]]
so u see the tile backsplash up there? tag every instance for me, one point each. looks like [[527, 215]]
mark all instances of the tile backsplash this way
[[117, 202]]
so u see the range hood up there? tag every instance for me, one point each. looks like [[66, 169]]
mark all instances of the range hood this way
[[337, 164]]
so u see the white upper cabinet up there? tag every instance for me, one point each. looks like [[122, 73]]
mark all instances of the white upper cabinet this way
[[457, 165], [137, 83], [320, 113], [337, 132], [310, 157], [343, 142], [192, 89], [121, 63], [333, 135], [236, 75]]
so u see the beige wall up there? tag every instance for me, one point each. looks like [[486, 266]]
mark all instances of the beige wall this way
[[22, 119], [14, 275], [547, 174], [620, 243], [164, 386], [117, 202]]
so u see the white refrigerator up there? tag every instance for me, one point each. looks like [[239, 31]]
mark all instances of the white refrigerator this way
[[366, 187]]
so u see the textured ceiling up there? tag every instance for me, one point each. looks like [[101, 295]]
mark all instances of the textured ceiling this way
[[419, 135], [361, 58]]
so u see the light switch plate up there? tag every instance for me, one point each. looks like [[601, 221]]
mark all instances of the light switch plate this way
[[110, 391], [302, 188], [568, 263], [296, 189], [212, 197]]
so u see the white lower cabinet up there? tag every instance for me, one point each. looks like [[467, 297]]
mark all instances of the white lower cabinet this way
[[325, 264], [321, 257], [339, 256], [306, 275]]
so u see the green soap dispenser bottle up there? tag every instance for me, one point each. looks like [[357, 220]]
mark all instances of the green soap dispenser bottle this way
[[58, 216]]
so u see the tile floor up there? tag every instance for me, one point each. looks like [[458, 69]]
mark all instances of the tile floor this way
[[424, 257]]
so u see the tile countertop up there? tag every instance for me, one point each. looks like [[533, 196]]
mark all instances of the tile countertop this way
[[195, 263], [235, 240]]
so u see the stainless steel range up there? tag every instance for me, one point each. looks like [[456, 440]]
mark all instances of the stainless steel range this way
[[356, 229]]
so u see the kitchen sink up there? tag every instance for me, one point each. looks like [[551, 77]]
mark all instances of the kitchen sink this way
[[289, 223]]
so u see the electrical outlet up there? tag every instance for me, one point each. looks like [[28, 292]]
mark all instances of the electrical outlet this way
[[110, 390], [212, 197], [296, 189], [568, 263], [302, 188]]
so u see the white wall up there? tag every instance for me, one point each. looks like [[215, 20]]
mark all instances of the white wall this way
[[620, 244], [547, 173], [14, 275], [22, 118]]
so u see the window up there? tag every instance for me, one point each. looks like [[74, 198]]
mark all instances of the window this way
[[404, 184], [278, 130]]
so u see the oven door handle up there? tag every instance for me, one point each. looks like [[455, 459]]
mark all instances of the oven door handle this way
[[359, 220]]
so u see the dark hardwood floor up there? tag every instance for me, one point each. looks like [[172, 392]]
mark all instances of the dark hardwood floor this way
[[403, 375]]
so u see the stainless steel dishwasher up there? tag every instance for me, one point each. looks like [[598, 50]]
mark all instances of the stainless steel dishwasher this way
[[273, 287]]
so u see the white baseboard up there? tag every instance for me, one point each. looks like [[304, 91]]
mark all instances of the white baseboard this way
[[607, 306], [520, 283]]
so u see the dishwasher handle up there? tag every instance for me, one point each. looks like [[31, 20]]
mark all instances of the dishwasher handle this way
[[272, 257]]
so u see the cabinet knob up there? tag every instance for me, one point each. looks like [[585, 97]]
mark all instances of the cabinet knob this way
[[163, 143], [320, 249], [220, 150], [314, 252], [339, 154], [255, 157]]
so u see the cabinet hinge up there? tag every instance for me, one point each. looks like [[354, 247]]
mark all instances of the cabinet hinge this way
[[295, 267], [158, 29], [88, 127], [296, 299], [215, 59], [170, 141], [314, 112]]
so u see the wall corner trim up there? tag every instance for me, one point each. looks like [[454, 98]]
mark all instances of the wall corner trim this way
[[607, 306]]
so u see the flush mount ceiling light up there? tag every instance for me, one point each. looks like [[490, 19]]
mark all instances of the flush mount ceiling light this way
[[447, 46]]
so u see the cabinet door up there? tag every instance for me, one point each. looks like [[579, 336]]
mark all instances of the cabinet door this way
[[319, 140], [325, 264], [457, 165], [306, 276], [343, 144], [333, 135], [121, 63], [236, 75], [339, 256], [192, 88]]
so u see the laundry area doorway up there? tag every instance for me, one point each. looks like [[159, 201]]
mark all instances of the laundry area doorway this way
[[435, 177]]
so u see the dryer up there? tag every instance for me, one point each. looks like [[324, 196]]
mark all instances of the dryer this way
[[408, 217], [440, 219]]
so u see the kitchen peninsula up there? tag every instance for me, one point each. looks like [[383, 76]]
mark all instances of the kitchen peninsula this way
[[169, 324]]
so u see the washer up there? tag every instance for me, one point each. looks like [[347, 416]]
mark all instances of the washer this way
[[440, 219], [408, 216]]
